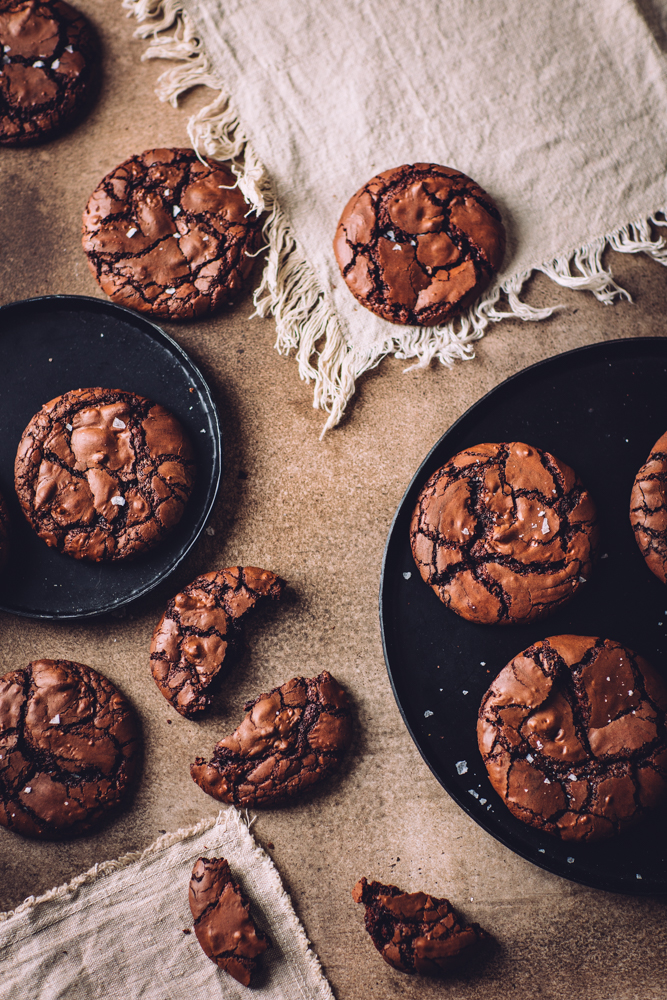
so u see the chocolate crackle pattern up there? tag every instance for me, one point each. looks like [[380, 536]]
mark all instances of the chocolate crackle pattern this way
[[223, 923], [200, 632], [103, 474], [69, 747], [648, 509], [419, 243], [574, 737], [169, 235], [504, 533], [49, 68], [416, 932], [291, 738]]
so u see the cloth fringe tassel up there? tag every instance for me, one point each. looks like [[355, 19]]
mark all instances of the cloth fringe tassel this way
[[306, 321]]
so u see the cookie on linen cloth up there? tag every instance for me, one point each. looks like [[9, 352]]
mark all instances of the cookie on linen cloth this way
[[419, 243], [49, 69], [291, 738], [169, 235], [103, 474], [573, 735], [200, 633], [69, 748], [504, 533], [648, 509]]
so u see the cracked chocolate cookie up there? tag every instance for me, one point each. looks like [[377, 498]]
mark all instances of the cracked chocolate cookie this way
[[69, 748], [291, 738], [504, 533], [103, 474], [49, 69], [169, 235], [648, 509], [223, 924], [573, 735], [418, 244], [415, 932], [4, 533], [200, 632]]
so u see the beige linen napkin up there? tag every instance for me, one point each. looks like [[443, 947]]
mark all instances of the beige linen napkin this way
[[117, 930], [558, 110]]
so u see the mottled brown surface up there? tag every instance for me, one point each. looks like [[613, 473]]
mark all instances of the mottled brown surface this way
[[291, 739], [103, 474], [69, 747], [574, 737], [223, 922], [419, 243], [317, 513], [200, 632], [415, 932], [504, 533], [648, 509], [49, 69], [169, 235]]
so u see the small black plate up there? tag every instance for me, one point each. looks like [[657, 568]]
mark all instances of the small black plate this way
[[51, 345], [600, 409]]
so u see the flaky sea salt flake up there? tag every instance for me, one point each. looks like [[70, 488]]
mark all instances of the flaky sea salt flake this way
[[428, 713], [118, 424], [118, 501], [132, 231], [462, 767], [176, 210], [55, 721]]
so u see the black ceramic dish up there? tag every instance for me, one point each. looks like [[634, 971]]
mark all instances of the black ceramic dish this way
[[600, 409], [53, 344]]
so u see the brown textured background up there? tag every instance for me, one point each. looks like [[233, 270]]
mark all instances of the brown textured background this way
[[317, 513]]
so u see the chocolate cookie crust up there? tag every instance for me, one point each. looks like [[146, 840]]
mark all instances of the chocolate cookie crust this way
[[49, 69], [415, 932], [291, 738], [103, 474], [69, 747], [169, 235], [223, 924], [200, 633], [504, 533], [648, 509], [419, 243], [574, 737]]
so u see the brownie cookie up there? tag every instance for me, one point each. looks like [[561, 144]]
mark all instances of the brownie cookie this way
[[504, 533], [200, 632], [573, 735], [291, 738], [415, 932], [169, 235], [69, 747], [223, 925], [648, 509], [49, 69], [4, 533], [103, 474], [419, 243]]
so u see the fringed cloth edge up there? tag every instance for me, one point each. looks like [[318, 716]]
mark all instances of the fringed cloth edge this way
[[290, 291]]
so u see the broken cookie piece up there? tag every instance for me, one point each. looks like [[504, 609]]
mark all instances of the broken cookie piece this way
[[291, 738], [223, 924], [648, 509], [415, 932], [200, 632]]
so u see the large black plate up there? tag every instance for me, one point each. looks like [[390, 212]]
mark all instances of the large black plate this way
[[600, 409], [48, 346]]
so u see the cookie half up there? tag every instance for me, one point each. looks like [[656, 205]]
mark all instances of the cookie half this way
[[224, 925], [291, 738], [416, 932], [49, 70], [103, 474], [69, 748], [648, 509], [573, 734], [419, 243], [504, 533], [169, 235], [200, 633]]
